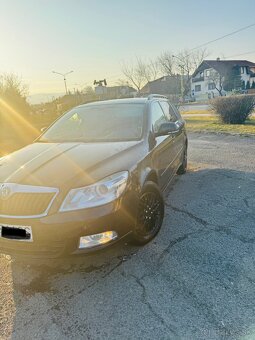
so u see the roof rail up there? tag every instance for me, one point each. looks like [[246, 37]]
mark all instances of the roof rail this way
[[151, 96]]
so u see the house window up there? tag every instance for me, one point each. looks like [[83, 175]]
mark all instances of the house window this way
[[211, 86], [208, 73], [242, 70], [197, 88]]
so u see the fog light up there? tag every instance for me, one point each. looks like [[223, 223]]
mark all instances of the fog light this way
[[97, 239]]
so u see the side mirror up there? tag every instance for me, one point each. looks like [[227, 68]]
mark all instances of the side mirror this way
[[167, 128]]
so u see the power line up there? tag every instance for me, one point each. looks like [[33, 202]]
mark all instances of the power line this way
[[223, 36], [237, 55], [207, 43], [202, 45]]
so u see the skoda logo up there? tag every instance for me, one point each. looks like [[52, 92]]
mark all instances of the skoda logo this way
[[5, 192]]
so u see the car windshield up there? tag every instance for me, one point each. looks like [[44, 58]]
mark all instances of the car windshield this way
[[110, 122]]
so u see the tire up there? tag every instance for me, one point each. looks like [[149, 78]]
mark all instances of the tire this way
[[183, 167], [150, 214]]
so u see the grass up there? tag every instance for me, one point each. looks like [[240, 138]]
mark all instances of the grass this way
[[191, 112], [213, 124]]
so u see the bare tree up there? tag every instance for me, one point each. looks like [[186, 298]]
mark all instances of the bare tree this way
[[167, 63], [122, 82], [152, 70], [185, 62], [11, 83], [135, 73], [191, 60], [217, 79], [141, 72], [188, 62]]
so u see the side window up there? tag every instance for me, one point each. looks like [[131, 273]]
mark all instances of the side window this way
[[157, 116], [176, 112], [168, 111]]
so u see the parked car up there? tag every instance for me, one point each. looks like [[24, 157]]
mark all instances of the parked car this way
[[94, 176]]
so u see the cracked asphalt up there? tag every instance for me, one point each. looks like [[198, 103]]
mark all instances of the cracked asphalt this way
[[196, 280]]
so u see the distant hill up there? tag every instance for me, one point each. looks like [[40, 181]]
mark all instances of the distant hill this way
[[43, 97]]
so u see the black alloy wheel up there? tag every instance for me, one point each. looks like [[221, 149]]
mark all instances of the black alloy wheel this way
[[150, 214]]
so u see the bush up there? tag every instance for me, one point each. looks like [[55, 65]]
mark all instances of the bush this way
[[234, 109]]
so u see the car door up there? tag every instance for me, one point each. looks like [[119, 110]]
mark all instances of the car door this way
[[179, 139], [162, 153]]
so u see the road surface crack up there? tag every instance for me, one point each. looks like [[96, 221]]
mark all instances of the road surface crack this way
[[194, 217], [204, 308], [215, 227], [228, 231], [146, 302]]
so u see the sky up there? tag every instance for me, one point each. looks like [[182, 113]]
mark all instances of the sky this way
[[94, 38]]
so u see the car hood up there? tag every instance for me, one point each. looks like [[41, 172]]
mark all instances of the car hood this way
[[65, 164]]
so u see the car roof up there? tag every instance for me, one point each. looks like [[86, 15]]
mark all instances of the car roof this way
[[142, 100], [117, 101]]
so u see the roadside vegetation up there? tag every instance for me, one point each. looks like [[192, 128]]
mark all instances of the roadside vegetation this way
[[196, 112], [231, 115], [214, 124], [234, 109]]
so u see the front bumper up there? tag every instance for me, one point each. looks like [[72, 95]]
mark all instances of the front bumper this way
[[59, 234]]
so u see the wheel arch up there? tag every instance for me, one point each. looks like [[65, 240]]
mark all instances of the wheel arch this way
[[148, 175]]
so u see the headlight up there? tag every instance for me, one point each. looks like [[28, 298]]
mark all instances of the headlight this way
[[102, 192]]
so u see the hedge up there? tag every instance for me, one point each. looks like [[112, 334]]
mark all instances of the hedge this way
[[234, 109]]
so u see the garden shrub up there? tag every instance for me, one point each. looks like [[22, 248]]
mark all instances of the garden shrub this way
[[234, 109]]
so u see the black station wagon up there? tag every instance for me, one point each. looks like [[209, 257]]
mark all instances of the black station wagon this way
[[96, 175]]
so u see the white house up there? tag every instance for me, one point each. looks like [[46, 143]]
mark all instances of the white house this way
[[208, 78]]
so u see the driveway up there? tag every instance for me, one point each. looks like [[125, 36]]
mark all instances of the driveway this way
[[196, 280]]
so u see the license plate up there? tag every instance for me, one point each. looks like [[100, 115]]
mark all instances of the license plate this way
[[16, 232]]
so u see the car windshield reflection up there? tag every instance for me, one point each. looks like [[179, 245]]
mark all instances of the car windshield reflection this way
[[100, 123]]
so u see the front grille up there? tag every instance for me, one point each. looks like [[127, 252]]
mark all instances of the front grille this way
[[26, 204]]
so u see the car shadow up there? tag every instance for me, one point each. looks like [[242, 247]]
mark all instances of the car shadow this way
[[202, 260]]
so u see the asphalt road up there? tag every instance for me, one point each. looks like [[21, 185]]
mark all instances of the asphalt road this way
[[195, 281]]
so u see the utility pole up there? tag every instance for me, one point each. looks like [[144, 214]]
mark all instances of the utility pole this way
[[182, 85], [182, 76], [63, 75]]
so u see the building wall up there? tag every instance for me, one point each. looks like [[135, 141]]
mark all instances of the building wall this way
[[244, 76], [205, 92]]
